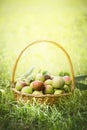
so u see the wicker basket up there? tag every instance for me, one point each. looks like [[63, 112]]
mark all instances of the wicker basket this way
[[47, 98]]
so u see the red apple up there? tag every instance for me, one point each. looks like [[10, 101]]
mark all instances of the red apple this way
[[20, 84], [37, 85], [67, 80]]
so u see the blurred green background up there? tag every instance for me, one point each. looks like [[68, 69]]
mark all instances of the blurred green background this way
[[24, 21]]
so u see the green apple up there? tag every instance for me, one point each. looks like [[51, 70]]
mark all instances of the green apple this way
[[27, 82], [58, 82], [40, 77], [37, 85], [67, 80], [58, 92], [27, 90], [37, 92], [48, 89], [20, 84], [66, 88], [48, 81]]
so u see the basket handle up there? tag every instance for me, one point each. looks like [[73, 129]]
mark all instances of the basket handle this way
[[48, 41]]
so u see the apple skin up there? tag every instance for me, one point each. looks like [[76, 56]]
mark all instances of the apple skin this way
[[40, 77], [27, 82], [20, 84], [66, 88], [37, 85], [48, 82], [37, 92], [27, 90], [58, 82], [47, 77], [58, 92], [48, 89], [67, 80]]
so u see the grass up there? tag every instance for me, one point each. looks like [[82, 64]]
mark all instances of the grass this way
[[23, 22], [68, 113]]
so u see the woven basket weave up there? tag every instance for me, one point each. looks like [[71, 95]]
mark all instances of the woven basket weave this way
[[47, 98]]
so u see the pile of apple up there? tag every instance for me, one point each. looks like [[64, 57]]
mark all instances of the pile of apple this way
[[44, 84]]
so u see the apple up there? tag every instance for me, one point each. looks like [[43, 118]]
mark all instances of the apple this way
[[37, 92], [37, 85], [40, 77], [66, 88], [48, 81], [47, 77], [48, 89], [27, 90], [20, 84], [27, 82], [67, 80], [58, 92], [58, 82]]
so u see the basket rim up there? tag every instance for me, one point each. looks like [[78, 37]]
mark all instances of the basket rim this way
[[40, 96]]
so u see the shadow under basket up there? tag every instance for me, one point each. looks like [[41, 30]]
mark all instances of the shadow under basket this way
[[45, 98]]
